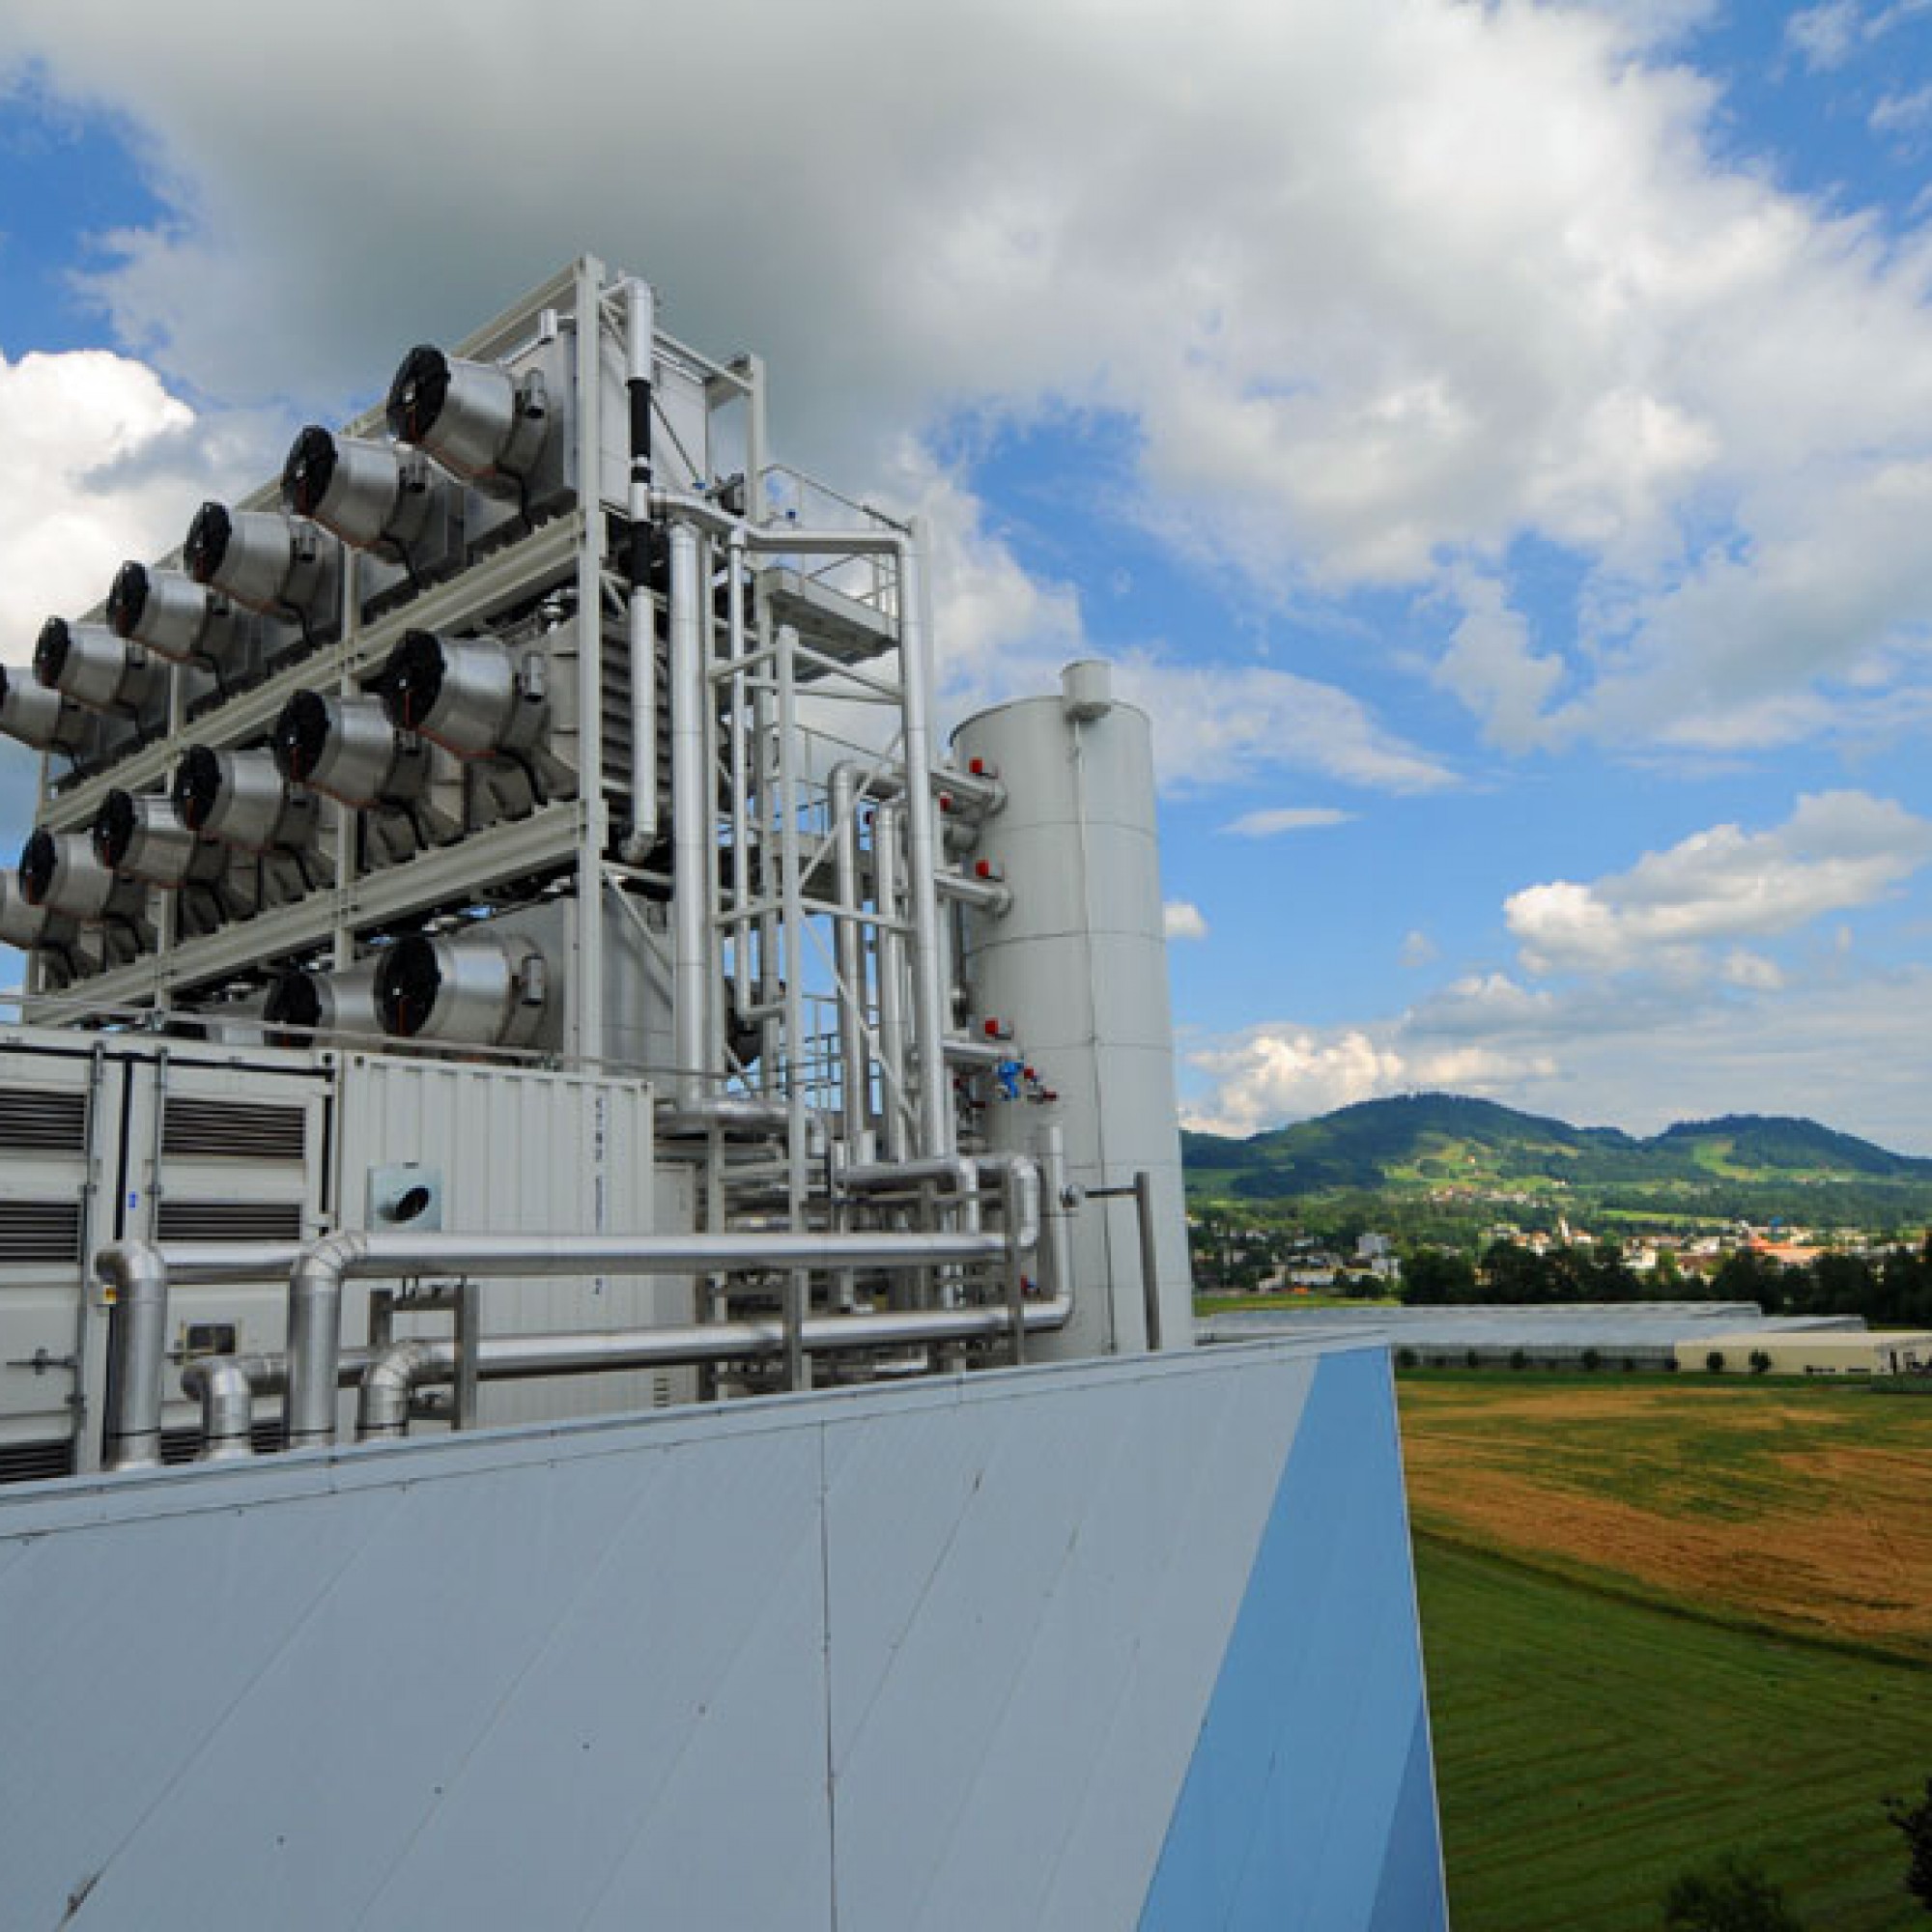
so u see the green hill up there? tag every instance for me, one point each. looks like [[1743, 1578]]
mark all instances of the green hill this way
[[1450, 1146]]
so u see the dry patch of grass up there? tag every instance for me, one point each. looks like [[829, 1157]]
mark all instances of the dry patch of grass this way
[[1805, 1509]]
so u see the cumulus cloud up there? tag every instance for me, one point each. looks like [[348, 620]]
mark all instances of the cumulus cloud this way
[[1277, 819], [1271, 1074], [1181, 919], [1378, 288], [1837, 850], [1856, 1053], [89, 439]]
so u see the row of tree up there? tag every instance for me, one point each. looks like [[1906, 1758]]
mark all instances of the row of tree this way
[[1892, 1287]]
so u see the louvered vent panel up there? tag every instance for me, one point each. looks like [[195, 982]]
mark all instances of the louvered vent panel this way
[[239, 1128], [36, 1461], [228, 1221], [33, 1121], [39, 1230]]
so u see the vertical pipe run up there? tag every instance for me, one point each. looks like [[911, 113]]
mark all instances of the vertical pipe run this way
[[690, 818], [640, 326], [798, 1283], [1150, 1263], [928, 995], [848, 955], [892, 981]]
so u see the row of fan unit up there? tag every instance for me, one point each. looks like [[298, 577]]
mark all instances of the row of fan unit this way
[[259, 585], [484, 987], [239, 829]]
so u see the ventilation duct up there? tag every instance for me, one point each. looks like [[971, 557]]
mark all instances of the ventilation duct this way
[[281, 566], [477, 989], [144, 838], [27, 925], [468, 694], [39, 717], [328, 1003], [475, 419], [61, 871], [347, 748], [90, 665], [243, 799], [173, 615], [371, 495]]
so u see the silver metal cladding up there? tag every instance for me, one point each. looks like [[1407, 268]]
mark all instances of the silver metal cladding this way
[[346, 749], [142, 837], [90, 665], [371, 495], [467, 695], [302, 1004], [243, 799], [472, 989], [61, 871], [473, 417], [173, 615], [268, 561], [23, 924], [47, 721]]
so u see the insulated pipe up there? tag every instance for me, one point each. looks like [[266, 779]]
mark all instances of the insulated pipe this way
[[641, 332], [315, 1281], [928, 992], [848, 943], [728, 1112], [136, 1275], [989, 896], [892, 977], [690, 820], [225, 1387], [394, 1375]]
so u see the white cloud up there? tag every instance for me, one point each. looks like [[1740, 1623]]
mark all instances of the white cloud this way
[[1277, 819], [1222, 725], [1827, 35], [1273, 1074], [1418, 949], [1492, 666], [1837, 850], [79, 492], [1181, 919], [1378, 288], [1853, 1052]]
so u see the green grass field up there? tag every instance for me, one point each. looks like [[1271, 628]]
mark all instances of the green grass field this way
[[1589, 1750]]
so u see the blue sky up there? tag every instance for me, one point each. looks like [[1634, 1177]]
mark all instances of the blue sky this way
[[1496, 443]]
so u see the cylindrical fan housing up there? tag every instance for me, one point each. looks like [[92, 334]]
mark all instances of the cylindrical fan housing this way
[[347, 748], [173, 615], [468, 415], [90, 665], [340, 1002], [44, 719], [477, 989], [371, 495], [143, 838], [243, 799], [23, 924], [464, 694], [262, 558], [61, 871]]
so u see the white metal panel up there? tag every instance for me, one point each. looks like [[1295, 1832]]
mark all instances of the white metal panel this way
[[522, 1151], [599, 1675], [1035, 1615]]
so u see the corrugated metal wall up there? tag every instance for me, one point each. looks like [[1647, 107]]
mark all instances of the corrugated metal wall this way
[[1088, 1646], [523, 1152]]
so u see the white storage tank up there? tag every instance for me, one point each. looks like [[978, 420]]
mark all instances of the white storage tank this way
[[1078, 965]]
